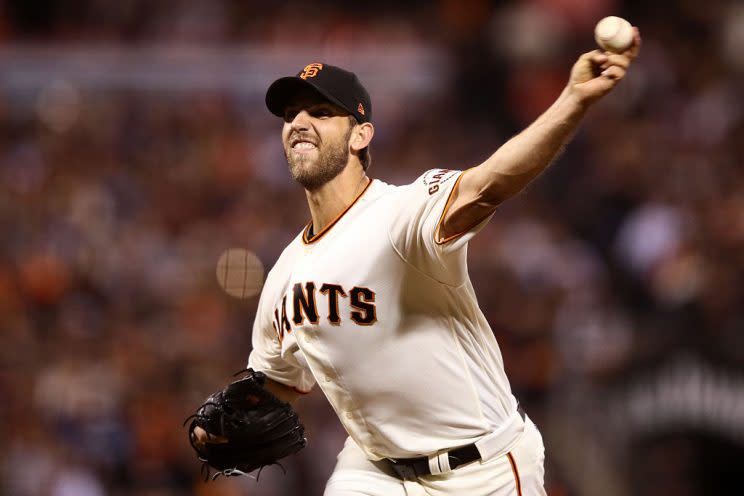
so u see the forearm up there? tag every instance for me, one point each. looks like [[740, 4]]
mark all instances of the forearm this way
[[518, 161], [284, 393], [525, 156]]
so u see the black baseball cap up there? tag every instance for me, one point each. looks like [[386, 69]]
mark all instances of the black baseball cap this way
[[337, 85]]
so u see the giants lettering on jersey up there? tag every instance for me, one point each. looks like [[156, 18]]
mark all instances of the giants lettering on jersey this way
[[304, 300], [434, 177]]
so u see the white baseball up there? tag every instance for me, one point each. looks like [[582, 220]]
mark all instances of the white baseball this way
[[614, 34]]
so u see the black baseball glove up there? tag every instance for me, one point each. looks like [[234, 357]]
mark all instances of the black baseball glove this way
[[258, 428]]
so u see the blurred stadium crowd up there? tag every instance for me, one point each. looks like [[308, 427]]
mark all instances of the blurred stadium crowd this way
[[615, 284]]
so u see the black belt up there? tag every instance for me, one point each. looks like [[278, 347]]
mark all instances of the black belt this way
[[411, 468]]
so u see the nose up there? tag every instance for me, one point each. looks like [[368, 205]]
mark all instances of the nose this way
[[301, 121]]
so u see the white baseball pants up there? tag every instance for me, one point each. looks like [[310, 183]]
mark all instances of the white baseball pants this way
[[520, 472]]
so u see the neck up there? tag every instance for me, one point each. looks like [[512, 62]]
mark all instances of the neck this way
[[328, 201]]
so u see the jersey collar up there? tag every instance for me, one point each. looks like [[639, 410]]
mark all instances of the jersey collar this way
[[307, 239]]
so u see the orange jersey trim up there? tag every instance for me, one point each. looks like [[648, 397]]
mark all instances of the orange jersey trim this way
[[444, 213], [307, 240], [515, 471]]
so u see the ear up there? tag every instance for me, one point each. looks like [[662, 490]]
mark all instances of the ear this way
[[361, 136]]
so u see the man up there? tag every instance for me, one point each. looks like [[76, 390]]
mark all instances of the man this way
[[373, 300]]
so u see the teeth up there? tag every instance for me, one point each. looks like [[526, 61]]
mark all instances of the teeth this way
[[303, 145]]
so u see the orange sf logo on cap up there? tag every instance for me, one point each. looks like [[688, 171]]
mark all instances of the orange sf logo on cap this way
[[360, 109], [311, 70]]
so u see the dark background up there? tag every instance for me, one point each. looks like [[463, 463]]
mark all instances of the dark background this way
[[135, 148]]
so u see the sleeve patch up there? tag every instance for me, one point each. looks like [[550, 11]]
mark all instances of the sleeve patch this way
[[434, 178]]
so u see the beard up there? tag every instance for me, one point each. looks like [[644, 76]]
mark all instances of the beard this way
[[314, 173]]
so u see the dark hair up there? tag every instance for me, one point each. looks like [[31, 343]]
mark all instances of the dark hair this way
[[364, 156]]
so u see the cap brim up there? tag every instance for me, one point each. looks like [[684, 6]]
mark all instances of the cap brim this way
[[283, 89]]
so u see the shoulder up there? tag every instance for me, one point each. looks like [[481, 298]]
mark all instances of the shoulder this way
[[283, 265], [434, 179], [288, 255], [431, 183]]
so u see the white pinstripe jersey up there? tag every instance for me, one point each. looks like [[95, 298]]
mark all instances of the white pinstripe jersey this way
[[385, 320]]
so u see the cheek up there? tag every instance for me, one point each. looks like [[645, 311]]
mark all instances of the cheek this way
[[337, 135]]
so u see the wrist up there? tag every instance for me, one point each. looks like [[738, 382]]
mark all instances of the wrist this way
[[577, 101], [572, 103]]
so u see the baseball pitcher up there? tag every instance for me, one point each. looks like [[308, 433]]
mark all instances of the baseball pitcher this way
[[372, 302]]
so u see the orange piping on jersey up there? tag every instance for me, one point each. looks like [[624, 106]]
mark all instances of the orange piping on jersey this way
[[515, 471], [444, 213], [327, 228]]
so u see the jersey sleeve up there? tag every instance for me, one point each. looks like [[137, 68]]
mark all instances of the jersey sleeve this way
[[279, 358], [414, 230]]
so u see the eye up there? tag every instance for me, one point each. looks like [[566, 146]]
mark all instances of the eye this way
[[321, 112]]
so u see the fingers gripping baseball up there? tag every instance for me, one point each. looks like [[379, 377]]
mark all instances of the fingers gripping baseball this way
[[597, 72], [612, 60]]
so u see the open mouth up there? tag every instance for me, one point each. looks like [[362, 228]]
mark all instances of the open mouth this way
[[302, 144]]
